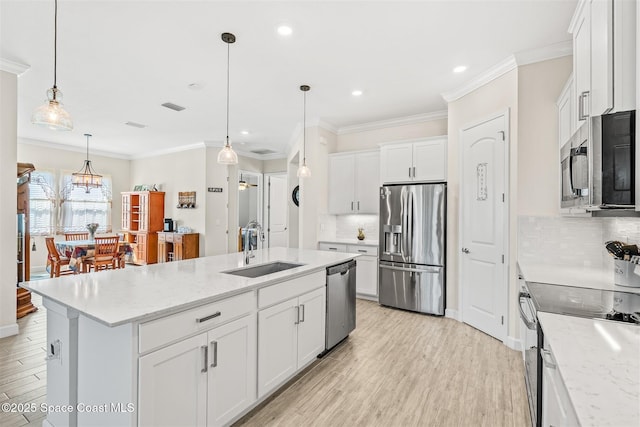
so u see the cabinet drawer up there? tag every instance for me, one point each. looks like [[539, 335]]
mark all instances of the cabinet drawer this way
[[335, 247], [168, 237], [364, 250], [291, 288], [161, 237], [177, 238], [162, 331]]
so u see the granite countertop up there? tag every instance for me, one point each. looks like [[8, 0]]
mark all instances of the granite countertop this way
[[116, 297], [354, 241], [573, 275], [599, 363]]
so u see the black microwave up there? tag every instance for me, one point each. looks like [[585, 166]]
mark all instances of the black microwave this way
[[618, 159]]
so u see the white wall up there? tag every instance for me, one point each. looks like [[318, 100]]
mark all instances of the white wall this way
[[369, 139], [216, 212], [8, 195], [46, 157]]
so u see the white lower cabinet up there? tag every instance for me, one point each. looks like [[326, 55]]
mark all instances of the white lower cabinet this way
[[207, 379], [367, 275], [290, 335], [557, 409]]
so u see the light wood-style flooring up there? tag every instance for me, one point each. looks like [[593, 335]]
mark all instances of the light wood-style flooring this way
[[23, 371], [396, 369], [405, 369]]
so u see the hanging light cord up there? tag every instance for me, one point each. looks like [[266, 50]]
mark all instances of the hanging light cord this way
[[304, 128], [228, 60], [55, 48], [87, 147]]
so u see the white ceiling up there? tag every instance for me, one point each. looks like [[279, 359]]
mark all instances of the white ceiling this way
[[119, 60]]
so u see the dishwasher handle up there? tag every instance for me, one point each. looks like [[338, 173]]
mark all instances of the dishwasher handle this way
[[341, 268]]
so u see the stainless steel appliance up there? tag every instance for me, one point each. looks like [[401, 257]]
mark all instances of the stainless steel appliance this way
[[571, 301], [341, 302], [598, 166], [412, 247], [169, 225]]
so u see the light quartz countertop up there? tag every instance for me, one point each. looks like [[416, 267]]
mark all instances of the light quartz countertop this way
[[116, 297], [573, 275], [599, 362], [354, 241]]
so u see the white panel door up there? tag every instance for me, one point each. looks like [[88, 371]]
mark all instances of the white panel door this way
[[565, 115], [367, 182], [601, 57], [396, 162], [341, 191], [173, 385], [484, 286], [430, 160], [582, 64], [277, 345], [311, 326], [367, 275], [232, 369], [277, 199]]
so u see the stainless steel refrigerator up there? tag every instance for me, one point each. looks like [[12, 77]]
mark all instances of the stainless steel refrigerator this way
[[411, 273]]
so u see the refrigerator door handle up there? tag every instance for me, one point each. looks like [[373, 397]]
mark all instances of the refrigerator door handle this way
[[413, 270]]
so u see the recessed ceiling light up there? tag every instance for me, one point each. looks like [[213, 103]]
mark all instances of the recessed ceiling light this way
[[459, 69], [244, 132], [356, 93], [284, 30]]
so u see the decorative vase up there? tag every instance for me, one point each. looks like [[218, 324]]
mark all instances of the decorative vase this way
[[92, 230], [360, 233]]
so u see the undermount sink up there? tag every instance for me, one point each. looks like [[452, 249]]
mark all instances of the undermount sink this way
[[263, 269]]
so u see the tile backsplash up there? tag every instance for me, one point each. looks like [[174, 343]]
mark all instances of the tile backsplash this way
[[563, 240], [347, 226]]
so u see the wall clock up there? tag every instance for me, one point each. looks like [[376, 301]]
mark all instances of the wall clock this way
[[296, 195]]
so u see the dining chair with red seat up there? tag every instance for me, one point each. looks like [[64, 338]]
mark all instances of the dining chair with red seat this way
[[55, 260], [105, 256]]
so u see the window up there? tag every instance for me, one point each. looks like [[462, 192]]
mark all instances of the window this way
[[79, 208], [42, 199]]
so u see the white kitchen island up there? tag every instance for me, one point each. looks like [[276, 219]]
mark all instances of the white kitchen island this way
[[180, 343]]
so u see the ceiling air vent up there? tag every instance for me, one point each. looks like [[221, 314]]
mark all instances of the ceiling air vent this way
[[135, 125], [173, 106], [263, 151]]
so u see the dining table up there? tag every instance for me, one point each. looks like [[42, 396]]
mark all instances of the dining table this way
[[78, 250]]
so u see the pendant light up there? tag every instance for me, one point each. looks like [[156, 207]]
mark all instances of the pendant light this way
[[227, 156], [51, 114], [303, 170], [86, 177]]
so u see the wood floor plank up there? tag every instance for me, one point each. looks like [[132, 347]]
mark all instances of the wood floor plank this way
[[405, 369]]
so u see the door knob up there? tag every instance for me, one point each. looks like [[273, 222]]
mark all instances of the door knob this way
[[465, 250]]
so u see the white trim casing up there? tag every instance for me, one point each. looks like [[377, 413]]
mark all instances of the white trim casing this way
[[452, 314], [9, 330], [513, 343]]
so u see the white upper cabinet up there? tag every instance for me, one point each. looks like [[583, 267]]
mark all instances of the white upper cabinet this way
[[604, 46], [419, 161], [566, 114], [353, 183]]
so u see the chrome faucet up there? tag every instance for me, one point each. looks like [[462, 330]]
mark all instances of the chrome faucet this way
[[248, 232]]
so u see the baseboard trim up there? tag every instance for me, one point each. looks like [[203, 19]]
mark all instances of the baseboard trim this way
[[367, 297], [452, 314], [9, 330], [513, 343]]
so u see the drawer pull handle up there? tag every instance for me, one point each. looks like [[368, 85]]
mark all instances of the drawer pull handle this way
[[333, 249], [211, 316], [364, 251]]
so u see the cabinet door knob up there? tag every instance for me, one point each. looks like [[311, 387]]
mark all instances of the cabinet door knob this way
[[465, 250]]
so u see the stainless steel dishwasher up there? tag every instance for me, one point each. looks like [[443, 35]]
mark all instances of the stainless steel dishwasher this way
[[341, 302]]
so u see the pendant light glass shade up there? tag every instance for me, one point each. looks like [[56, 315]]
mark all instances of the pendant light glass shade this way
[[303, 170], [227, 156], [86, 177], [51, 114]]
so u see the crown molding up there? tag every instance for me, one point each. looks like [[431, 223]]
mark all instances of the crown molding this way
[[170, 150], [13, 67], [322, 124], [491, 74], [72, 148], [553, 51], [398, 121]]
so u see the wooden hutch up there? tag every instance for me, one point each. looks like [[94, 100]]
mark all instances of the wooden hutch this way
[[24, 304], [142, 218]]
